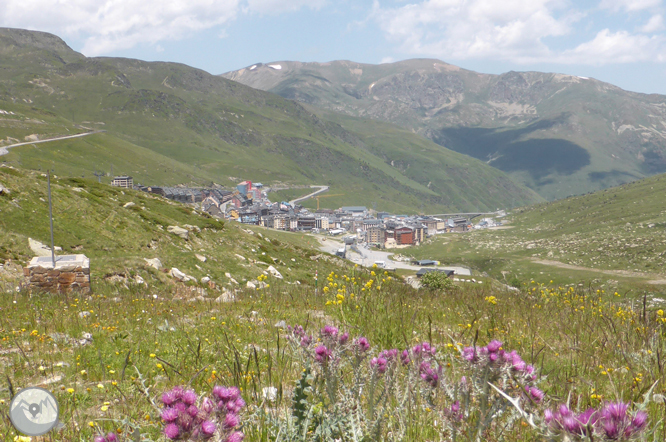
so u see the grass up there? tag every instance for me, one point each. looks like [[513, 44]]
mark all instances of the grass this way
[[589, 340], [591, 346], [615, 237]]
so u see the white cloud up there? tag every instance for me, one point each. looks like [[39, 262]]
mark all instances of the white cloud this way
[[508, 29], [279, 6], [387, 60], [655, 24], [629, 5], [110, 25], [518, 31], [616, 47]]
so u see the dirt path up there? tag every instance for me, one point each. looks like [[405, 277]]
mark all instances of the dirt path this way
[[4, 150], [626, 273]]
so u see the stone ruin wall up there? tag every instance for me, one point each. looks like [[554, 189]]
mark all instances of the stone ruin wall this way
[[60, 280]]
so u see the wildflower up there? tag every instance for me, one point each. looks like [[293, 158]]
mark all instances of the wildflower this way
[[189, 397], [362, 344], [231, 421], [329, 330], [70, 390], [306, 341], [322, 354], [236, 437], [207, 428], [379, 363], [343, 338], [494, 346], [169, 414], [404, 357], [430, 376], [171, 431]]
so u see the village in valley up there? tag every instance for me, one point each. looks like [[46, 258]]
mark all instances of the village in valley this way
[[249, 203]]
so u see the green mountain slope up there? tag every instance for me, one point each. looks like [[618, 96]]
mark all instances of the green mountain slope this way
[[168, 123], [96, 220], [616, 235], [558, 134]]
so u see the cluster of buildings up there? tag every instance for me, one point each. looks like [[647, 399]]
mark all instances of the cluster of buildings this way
[[249, 204]]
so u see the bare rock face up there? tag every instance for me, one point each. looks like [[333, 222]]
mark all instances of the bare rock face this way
[[154, 263], [40, 249], [179, 231]]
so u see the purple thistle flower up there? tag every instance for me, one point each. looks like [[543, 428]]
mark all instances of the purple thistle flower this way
[[494, 346], [169, 414], [192, 410], [429, 375], [416, 350], [99, 439], [207, 406], [231, 420], [306, 341], [322, 354], [470, 354], [178, 391], [379, 363], [536, 394], [185, 422], [169, 398], [189, 397], [111, 437], [404, 357], [548, 416], [180, 406], [329, 330], [639, 421], [344, 338], [362, 344], [529, 369], [236, 405], [571, 425], [171, 431], [587, 417], [236, 437], [493, 357], [455, 407], [207, 428]]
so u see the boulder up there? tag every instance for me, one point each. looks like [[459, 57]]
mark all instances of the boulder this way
[[274, 272], [177, 274], [128, 205], [200, 257], [205, 280], [154, 263], [226, 296], [192, 228], [179, 231], [4, 190], [251, 285]]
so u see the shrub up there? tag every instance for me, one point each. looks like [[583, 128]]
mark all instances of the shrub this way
[[436, 281]]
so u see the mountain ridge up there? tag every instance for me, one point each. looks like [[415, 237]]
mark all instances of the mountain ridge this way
[[598, 134], [185, 123]]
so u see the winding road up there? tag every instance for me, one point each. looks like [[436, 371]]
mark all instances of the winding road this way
[[322, 189], [4, 150]]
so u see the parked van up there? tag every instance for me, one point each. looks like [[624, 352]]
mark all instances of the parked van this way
[[380, 264]]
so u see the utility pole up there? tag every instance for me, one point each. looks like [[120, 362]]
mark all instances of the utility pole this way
[[48, 177]]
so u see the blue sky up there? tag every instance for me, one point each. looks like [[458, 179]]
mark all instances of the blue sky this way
[[622, 42]]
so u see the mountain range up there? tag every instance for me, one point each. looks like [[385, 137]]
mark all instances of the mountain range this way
[[558, 134], [168, 123]]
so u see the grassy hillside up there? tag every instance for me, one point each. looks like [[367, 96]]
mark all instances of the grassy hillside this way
[[559, 134], [617, 235], [92, 219], [167, 123]]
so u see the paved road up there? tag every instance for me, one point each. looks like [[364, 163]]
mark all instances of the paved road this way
[[4, 150], [322, 189], [370, 256]]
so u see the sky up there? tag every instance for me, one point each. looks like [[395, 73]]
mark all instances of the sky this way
[[622, 42]]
